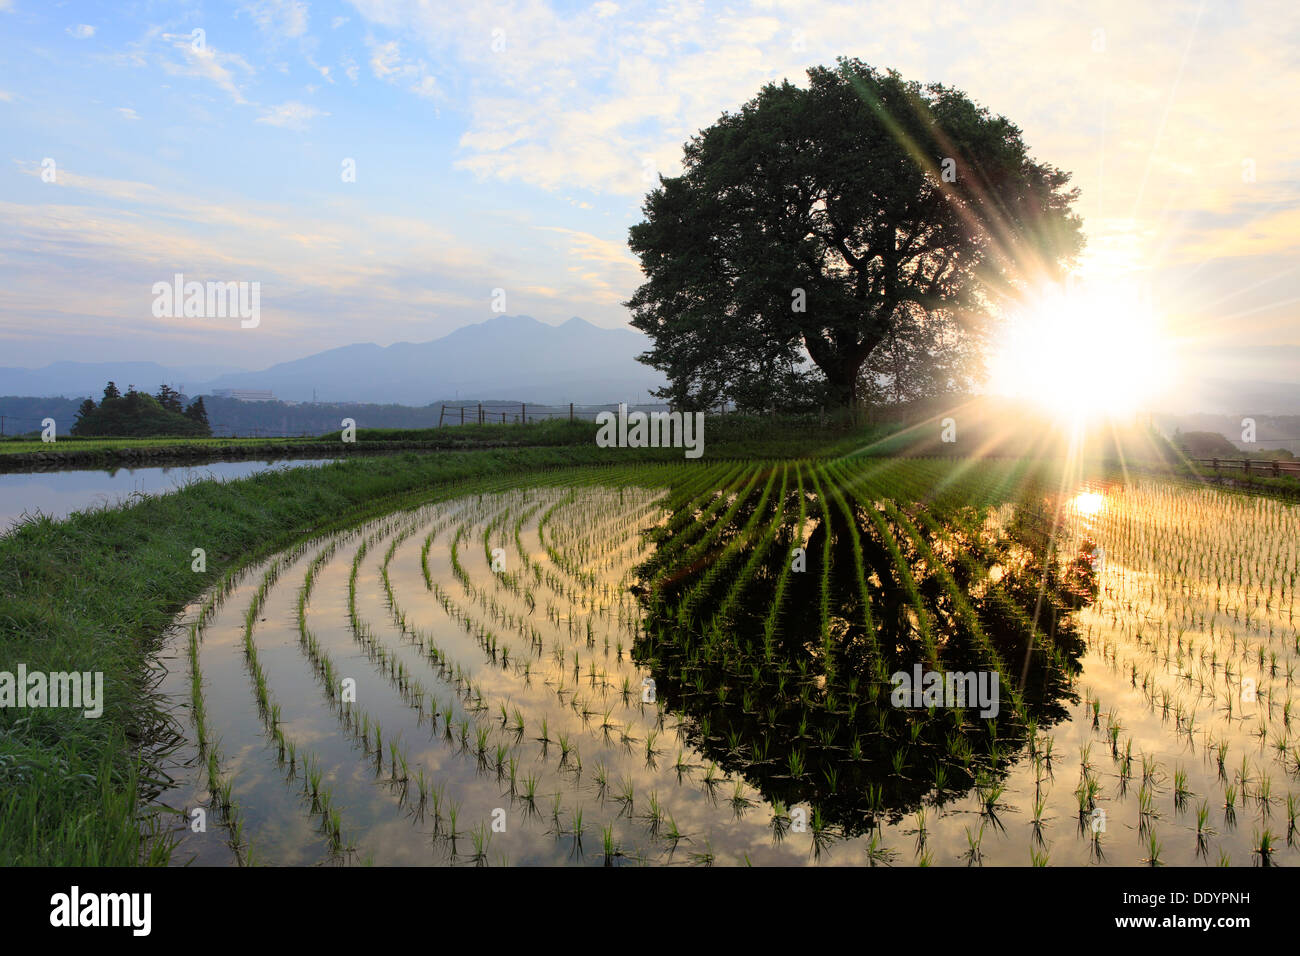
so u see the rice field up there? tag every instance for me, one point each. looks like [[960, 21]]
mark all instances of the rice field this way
[[692, 665]]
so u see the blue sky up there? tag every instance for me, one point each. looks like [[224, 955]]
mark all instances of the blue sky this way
[[508, 145]]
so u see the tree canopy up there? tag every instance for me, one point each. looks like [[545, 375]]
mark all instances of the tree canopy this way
[[138, 415], [861, 213]]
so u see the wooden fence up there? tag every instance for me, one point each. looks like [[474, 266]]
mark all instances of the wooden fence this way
[[1253, 466], [477, 413]]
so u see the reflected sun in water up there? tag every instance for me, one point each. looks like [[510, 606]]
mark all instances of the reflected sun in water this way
[[1088, 503]]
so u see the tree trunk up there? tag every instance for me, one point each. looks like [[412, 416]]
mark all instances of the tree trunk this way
[[842, 382]]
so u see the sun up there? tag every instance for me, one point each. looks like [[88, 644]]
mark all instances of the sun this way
[[1082, 355], [1088, 503]]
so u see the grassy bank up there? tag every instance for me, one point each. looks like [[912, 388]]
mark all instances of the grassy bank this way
[[1286, 486], [730, 436], [96, 592]]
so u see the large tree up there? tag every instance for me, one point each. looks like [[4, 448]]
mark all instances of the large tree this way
[[817, 223]]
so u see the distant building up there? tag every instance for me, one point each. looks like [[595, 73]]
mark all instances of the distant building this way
[[245, 394]]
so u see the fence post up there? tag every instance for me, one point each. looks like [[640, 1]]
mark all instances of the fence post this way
[[570, 411], [480, 413], [1246, 463], [462, 414], [523, 414], [441, 412]]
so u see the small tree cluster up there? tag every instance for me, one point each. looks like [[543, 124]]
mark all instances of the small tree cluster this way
[[140, 415]]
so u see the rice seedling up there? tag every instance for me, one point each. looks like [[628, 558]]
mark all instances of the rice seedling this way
[[1203, 828], [626, 794], [1265, 845], [988, 791], [480, 836], [898, 761], [1154, 849], [740, 801], [1146, 804], [973, 841], [609, 849], [654, 814], [875, 798], [794, 762]]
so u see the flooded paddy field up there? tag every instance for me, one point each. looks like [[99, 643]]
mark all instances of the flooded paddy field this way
[[675, 665], [57, 494]]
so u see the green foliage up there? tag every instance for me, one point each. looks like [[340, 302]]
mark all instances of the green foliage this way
[[827, 220], [138, 415]]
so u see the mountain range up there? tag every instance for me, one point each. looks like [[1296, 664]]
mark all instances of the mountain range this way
[[510, 356]]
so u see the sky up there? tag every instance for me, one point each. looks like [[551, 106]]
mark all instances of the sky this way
[[384, 168]]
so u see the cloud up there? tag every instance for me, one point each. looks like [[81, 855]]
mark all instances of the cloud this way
[[614, 273], [81, 31], [286, 18], [291, 115], [327, 271], [388, 64], [207, 62], [6, 96], [128, 113], [385, 59]]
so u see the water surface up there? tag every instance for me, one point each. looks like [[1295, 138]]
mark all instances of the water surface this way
[[58, 494]]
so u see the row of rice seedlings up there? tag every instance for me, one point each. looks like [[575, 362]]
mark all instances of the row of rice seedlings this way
[[962, 607], [698, 517], [219, 787], [777, 603], [759, 552], [824, 578], [860, 574], [902, 571], [569, 755], [320, 796], [592, 674], [273, 709], [695, 542], [977, 571], [688, 601]]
